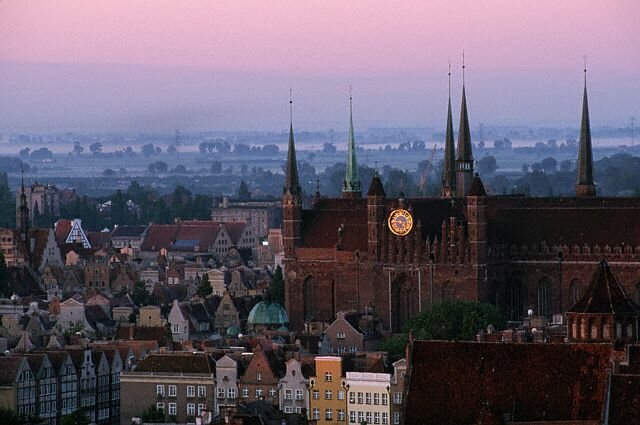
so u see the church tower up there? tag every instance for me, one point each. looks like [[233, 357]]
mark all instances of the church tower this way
[[585, 186], [464, 162], [449, 171], [22, 218], [291, 196], [351, 188]]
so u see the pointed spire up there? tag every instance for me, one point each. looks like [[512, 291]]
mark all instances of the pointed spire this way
[[449, 171], [464, 160], [585, 185], [352, 186], [291, 181]]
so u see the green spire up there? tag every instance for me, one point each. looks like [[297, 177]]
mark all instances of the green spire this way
[[291, 181], [351, 181]]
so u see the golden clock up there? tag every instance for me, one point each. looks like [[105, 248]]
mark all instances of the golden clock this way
[[400, 222]]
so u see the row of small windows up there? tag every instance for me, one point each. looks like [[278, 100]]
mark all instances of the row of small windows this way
[[191, 390], [369, 398], [173, 408]]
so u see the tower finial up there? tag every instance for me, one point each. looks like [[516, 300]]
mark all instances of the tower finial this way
[[463, 66], [291, 106], [449, 78], [585, 69]]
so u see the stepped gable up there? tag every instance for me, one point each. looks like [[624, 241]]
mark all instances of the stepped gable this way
[[452, 383], [177, 363], [320, 225], [605, 295]]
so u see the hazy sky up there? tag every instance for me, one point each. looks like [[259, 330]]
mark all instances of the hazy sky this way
[[227, 65]]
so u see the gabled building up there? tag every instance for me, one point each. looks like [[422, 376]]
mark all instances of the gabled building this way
[[226, 383], [87, 381], [71, 231], [67, 379], [46, 387], [293, 394], [261, 375], [351, 333], [328, 391], [226, 321], [369, 398], [128, 236], [398, 386]]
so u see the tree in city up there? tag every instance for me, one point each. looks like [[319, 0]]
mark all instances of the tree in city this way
[[78, 417], [153, 415], [487, 165], [277, 286], [205, 289], [95, 148], [550, 165]]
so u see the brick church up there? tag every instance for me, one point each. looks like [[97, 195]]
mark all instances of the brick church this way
[[398, 256]]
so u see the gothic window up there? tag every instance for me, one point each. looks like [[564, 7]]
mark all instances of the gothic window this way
[[514, 299], [405, 302], [544, 297], [575, 292], [309, 297]]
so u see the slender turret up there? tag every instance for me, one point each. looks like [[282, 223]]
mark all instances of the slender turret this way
[[449, 170], [352, 187], [292, 196], [585, 186], [464, 161]]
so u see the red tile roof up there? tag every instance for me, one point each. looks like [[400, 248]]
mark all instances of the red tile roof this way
[[452, 382], [62, 229]]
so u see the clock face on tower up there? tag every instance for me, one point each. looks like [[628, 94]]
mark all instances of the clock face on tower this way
[[400, 222]]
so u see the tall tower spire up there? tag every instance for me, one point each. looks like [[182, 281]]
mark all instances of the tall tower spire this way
[[291, 181], [464, 161], [22, 216], [585, 186], [449, 171], [351, 188]]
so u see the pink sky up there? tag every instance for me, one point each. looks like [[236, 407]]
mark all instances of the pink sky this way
[[528, 51]]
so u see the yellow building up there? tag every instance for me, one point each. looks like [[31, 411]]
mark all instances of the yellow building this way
[[327, 392]]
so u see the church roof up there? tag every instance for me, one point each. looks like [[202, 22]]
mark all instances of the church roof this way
[[375, 187], [605, 295], [268, 313], [477, 188]]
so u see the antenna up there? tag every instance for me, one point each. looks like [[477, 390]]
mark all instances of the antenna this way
[[449, 77], [351, 99], [463, 66], [291, 106], [585, 69]]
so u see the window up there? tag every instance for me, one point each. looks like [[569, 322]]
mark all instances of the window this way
[[172, 391], [352, 417], [272, 392], [245, 392], [360, 399], [288, 409], [376, 417], [352, 398], [352, 349], [341, 415], [316, 395], [316, 413], [369, 421], [258, 376], [191, 391], [258, 392], [299, 395], [328, 394], [232, 393], [160, 390], [328, 377], [397, 398], [200, 408], [376, 398], [202, 391], [191, 409], [288, 394], [220, 392], [385, 399], [544, 297], [340, 395], [160, 406], [172, 409], [368, 398], [396, 418], [176, 329], [328, 414], [385, 418], [340, 335], [360, 417], [298, 409]]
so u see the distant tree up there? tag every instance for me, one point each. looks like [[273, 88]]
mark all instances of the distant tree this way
[[180, 169], [329, 148], [550, 165], [565, 166], [24, 153], [122, 171], [536, 167], [241, 148], [228, 170], [95, 148], [525, 168], [76, 418], [77, 148], [42, 153], [277, 286], [216, 167], [158, 150], [109, 173], [172, 149], [205, 289], [140, 295], [148, 149], [270, 149], [243, 191], [158, 167], [487, 165], [129, 151]]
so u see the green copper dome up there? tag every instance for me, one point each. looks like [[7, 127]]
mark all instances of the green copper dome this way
[[268, 313], [233, 331]]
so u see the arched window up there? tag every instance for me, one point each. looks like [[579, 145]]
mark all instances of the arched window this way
[[575, 292], [544, 297], [514, 299]]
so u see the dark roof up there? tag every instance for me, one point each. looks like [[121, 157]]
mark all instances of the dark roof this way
[[160, 334], [128, 231], [99, 239], [477, 188], [452, 382], [9, 369], [198, 312], [375, 187], [177, 363], [605, 295]]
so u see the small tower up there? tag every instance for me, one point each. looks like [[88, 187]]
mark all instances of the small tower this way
[[22, 218], [464, 161], [291, 196], [585, 186], [375, 214], [351, 188], [449, 170]]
